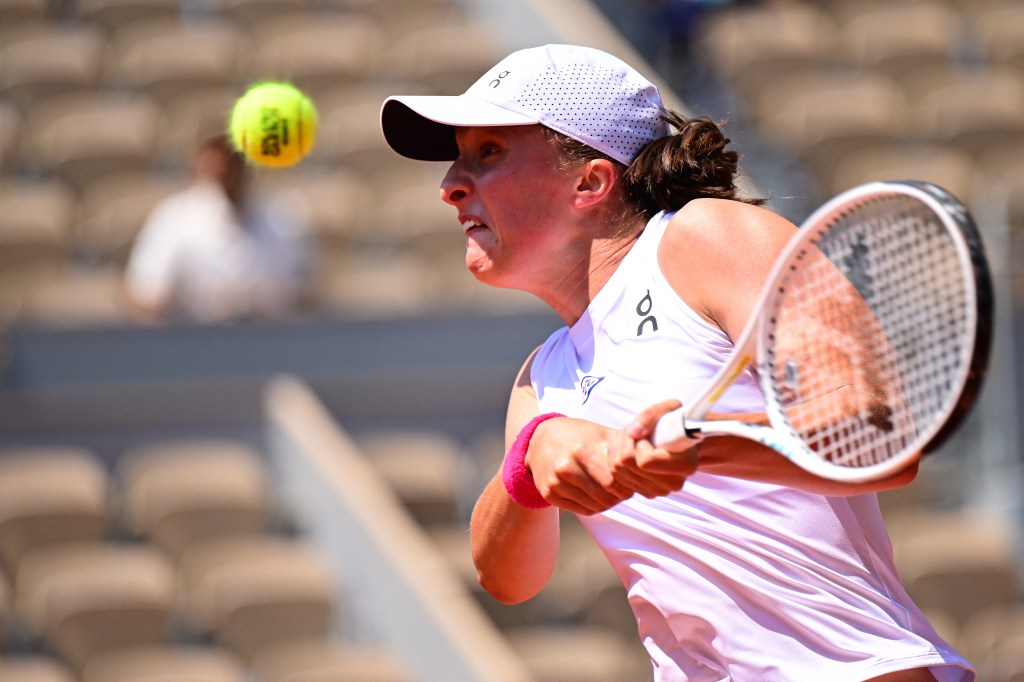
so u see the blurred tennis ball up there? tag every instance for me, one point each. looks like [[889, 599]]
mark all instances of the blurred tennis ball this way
[[273, 124]]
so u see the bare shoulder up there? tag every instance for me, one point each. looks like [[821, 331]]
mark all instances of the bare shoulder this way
[[710, 220], [716, 254]]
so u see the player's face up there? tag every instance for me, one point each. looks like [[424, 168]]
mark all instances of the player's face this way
[[509, 190]]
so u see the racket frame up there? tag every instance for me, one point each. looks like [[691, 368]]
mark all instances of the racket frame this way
[[750, 348]]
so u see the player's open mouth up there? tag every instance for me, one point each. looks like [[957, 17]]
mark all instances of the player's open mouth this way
[[470, 223]]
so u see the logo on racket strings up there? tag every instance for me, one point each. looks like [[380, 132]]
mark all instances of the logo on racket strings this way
[[856, 269]]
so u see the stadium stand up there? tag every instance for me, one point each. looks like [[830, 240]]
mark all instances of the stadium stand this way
[[182, 493], [33, 669], [168, 57], [52, 496], [51, 59]]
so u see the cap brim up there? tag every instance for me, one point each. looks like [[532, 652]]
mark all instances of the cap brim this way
[[423, 126]]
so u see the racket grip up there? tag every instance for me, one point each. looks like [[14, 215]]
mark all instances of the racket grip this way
[[670, 427]]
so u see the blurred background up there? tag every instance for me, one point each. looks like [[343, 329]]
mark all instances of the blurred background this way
[[231, 492]]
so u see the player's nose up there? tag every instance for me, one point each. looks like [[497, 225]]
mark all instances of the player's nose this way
[[455, 187]]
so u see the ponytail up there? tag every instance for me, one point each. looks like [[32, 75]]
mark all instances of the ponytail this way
[[691, 164], [669, 172]]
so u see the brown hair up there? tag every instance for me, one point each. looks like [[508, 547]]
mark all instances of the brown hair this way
[[671, 171]]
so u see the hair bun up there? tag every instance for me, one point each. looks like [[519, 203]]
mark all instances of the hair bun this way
[[694, 162]]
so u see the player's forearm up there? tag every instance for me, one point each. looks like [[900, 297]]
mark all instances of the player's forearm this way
[[743, 458], [514, 548]]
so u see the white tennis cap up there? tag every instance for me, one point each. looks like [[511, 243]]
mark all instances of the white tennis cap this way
[[582, 92]]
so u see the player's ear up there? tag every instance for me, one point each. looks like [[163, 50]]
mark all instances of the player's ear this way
[[595, 180]]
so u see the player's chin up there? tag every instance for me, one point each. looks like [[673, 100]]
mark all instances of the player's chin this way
[[480, 264]]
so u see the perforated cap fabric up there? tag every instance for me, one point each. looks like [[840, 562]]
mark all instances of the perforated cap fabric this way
[[585, 93]]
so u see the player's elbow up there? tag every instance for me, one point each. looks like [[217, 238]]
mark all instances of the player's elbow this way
[[506, 592], [901, 478]]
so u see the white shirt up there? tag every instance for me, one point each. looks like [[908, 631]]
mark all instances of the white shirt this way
[[728, 579], [195, 251]]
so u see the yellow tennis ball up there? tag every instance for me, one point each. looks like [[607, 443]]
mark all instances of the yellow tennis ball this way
[[273, 124]]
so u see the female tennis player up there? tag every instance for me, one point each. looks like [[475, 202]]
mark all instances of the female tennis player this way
[[572, 182]]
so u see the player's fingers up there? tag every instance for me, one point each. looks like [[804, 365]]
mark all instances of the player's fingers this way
[[644, 422], [582, 479], [582, 499], [654, 460], [651, 484], [652, 471]]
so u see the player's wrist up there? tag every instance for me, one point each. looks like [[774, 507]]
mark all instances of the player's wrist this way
[[515, 473]]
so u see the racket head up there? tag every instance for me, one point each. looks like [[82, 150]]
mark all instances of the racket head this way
[[894, 275]]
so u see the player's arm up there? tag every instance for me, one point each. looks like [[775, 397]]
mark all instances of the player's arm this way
[[514, 548], [717, 256]]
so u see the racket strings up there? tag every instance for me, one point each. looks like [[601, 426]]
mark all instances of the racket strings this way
[[863, 335]]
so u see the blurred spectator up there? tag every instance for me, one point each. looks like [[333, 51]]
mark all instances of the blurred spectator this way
[[215, 252]]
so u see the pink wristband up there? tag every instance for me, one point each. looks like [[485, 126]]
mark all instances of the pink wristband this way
[[517, 478]]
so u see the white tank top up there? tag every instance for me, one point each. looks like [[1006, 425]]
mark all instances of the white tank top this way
[[728, 579]]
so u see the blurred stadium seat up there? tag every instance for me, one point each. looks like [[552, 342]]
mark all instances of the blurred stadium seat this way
[[821, 116], [943, 165], [336, 202], [50, 60], [976, 113], [34, 668], [256, 592], [328, 660], [578, 655], [6, 609], [750, 45], [36, 218], [349, 131], [424, 470], [50, 496], [10, 122], [247, 12], [171, 57], [84, 600], [177, 494], [444, 57], [189, 116], [901, 38], [993, 640], [1001, 30], [956, 564], [318, 52], [164, 663], [114, 14], [81, 137], [374, 286], [24, 11], [77, 297]]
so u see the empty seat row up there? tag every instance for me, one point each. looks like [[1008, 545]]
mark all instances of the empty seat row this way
[[171, 494], [95, 605], [79, 137], [864, 91], [167, 57], [749, 43], [197, 561], [112, 14]]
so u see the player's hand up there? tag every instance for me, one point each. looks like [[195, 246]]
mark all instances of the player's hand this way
[[569, 460], [652, 471]]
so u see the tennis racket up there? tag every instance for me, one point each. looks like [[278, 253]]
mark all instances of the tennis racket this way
[[870, 338]]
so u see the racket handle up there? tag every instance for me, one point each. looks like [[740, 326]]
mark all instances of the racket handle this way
[[670, 427]]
